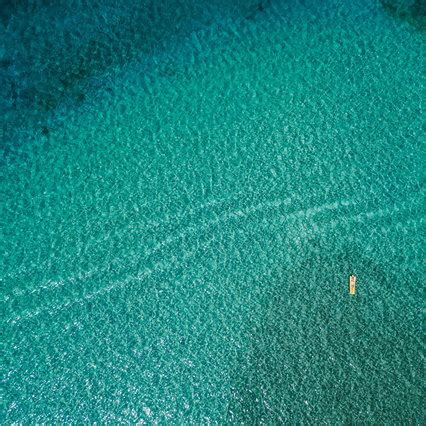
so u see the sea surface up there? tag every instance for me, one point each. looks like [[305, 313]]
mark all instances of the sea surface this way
[[186, 186]]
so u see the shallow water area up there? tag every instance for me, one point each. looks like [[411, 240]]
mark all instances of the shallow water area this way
[[181, 216]]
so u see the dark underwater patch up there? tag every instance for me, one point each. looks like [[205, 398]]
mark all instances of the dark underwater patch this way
[[258, 8], [321, 355], [8, 8], [59, 49], [45, 131], [413, 12], [5, 63]]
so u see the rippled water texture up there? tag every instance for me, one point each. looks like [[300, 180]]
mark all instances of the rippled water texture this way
[[186, 187]]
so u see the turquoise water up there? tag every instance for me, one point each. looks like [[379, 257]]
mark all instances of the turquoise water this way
[[186, 188]]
